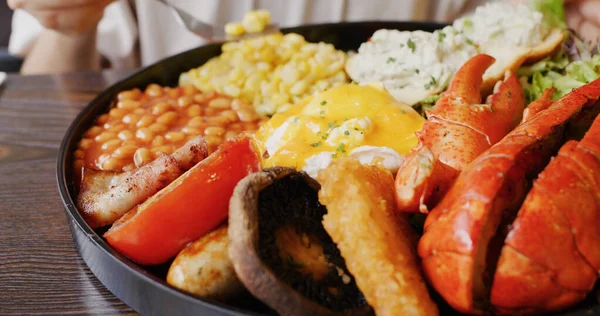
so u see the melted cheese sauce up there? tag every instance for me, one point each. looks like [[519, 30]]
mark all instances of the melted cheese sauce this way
[[337, 121]]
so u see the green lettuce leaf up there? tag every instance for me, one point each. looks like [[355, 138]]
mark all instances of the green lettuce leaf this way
[[553, 10], [574, 75]]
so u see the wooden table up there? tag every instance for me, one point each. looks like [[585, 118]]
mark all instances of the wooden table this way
[[40, 269]]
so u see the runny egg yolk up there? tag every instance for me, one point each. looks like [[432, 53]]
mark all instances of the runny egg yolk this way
[[333, 123]]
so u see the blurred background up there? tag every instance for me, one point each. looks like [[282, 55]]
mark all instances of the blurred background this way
[[8, 63]]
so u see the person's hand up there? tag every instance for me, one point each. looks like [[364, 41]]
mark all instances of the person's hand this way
[[583, 16], [64, 16]]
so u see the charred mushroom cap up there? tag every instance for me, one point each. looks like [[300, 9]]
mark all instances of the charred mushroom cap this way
[[281, 203]]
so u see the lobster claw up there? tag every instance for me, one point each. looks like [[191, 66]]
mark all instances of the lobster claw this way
[[458, 129], [466, 84]]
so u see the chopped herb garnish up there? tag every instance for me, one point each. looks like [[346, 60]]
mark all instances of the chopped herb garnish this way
[[411, 45], [391, 60], [325, 136], [323, 102], [470, 42], [417, 71], [431, 83], [341, 148], [322, 112], [356, 129], [296, 119], [317, 144], [403, 111], [441, 36], [332, 125], [334, 155], [346, 133]]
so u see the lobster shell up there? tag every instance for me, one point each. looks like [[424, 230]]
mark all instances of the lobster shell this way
[[465, 233]]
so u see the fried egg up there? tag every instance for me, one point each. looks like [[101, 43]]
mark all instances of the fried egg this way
[[364, 122]]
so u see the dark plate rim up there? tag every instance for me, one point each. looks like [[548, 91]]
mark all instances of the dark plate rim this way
[[98, 241], [137, 270]]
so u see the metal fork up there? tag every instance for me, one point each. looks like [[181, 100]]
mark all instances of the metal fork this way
[[210, 32]]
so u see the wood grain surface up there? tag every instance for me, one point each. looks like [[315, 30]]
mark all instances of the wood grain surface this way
[[40, 269]]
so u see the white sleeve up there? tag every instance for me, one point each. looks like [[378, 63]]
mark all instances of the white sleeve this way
[[25, 29], [117, 35], [116, 41]]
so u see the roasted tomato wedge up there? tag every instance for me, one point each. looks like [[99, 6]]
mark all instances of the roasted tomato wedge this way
[[191, 206]]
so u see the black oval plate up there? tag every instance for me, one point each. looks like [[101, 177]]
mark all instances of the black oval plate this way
[[143, 288]]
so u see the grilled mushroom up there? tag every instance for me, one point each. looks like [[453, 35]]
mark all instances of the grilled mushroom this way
[[280, 250]]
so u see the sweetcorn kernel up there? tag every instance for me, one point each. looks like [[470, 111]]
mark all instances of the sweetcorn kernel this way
[[253, 23], [271, 72], [234, 29], [263, 15]]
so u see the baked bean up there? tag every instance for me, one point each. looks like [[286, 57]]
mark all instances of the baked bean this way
[[211, 95], [246, 115], [125, 135], [158, 141], [157, 128], [129, 95], [196, 121], [236, 126], [102, 119], [141, 157], [220, 103], [210, 111], [157, 151], [167, 118], [217, 120], [144, 125], [111, 144], [230, 115], [214, 131], [238, 104], [79, 154], [78, 164], [93, 131], [117, 127], [172, 93], [144, 134], [117, 113], [194, 110], [191, 131], [131, 119], [172, 102], [189, 89], [199, 98], [112, 164], [105, 136], [102, 158], [146, 120], [124, 152], [175, 136], [160, 108], [213, 140], [85, 143], [154, 90], [185, 100], [128, 104]]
